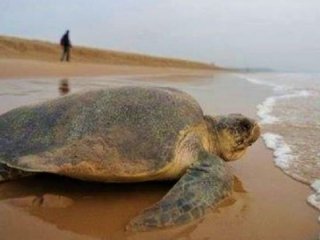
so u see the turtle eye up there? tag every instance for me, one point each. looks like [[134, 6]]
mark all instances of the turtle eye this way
[[245, 124]]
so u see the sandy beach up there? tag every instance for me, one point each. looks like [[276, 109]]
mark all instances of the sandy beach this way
[[266, 203]]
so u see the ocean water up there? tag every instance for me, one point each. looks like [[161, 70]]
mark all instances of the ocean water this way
[[290, 119]]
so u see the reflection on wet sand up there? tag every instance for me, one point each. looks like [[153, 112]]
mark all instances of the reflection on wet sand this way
[[91, 209], [64, 87], [94, 207], [44, 201]]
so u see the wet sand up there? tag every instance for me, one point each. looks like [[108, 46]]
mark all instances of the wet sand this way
[[44, 69], [266, 204]]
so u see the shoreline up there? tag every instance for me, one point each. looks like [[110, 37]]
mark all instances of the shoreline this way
[[274, 140]]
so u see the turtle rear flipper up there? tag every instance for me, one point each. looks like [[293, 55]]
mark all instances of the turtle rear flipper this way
[[205, 183], [8, 173]]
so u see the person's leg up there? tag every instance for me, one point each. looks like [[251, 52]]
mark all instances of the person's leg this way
[[64, 54], [68, 53]]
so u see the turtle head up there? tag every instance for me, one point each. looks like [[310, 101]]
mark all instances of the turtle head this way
[[232, 134]]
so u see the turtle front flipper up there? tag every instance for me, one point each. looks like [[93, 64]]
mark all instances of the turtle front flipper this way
[[205, 183], [8, 173]]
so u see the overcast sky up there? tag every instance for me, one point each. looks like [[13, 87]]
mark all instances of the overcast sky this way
[[280, 34]]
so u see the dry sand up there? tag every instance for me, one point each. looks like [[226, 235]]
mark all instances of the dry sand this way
[[23, 58], [18, 48], [266, 203]]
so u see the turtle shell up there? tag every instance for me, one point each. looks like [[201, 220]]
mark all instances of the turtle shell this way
[[99, 135]]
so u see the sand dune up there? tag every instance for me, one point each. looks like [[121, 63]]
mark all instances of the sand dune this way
[[19, 48]]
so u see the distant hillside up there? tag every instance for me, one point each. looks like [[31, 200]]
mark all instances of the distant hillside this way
[[12, 47]]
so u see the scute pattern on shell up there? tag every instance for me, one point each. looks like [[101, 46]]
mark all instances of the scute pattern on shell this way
[[141, 123]]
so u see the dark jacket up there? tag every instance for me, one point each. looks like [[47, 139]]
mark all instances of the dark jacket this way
[[65, 41]]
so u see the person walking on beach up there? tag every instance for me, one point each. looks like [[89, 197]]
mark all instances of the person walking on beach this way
[[66, 45]]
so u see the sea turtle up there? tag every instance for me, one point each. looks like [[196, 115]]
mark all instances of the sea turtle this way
[[130, 134]]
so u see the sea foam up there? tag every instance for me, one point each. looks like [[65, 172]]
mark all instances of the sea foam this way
[[281, 151], [265, 109], [314, 199], [282, 92], [261, 82]]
